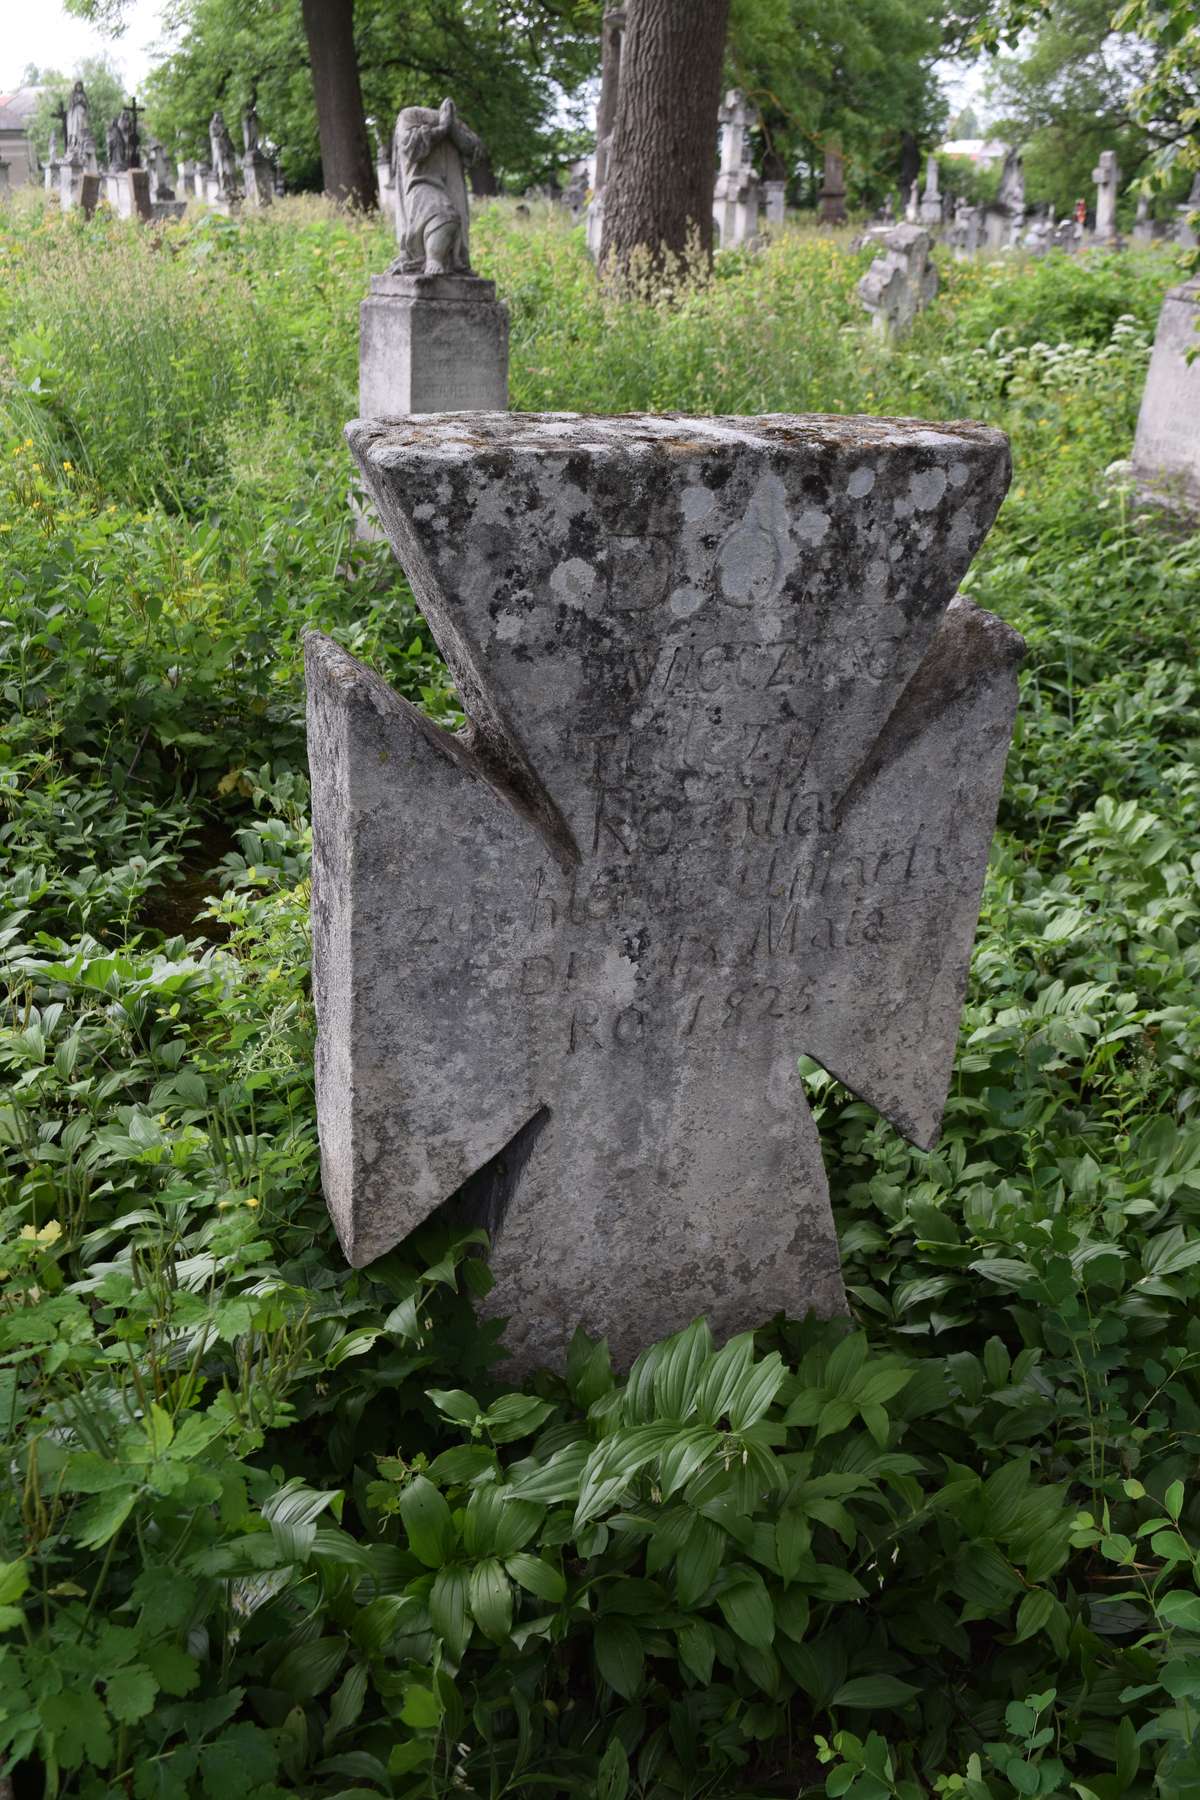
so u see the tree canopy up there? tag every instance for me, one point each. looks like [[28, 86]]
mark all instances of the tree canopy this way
[[854, 73], [511, 69], [1072, 90]]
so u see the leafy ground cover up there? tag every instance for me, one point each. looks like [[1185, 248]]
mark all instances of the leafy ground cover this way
[[270, 1526]]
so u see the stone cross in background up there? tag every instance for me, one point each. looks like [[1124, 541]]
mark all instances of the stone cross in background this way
[[1107, 176], [432, 335], [725, 795], [901, 281], [735, 192], [931, 200], [257, 174]]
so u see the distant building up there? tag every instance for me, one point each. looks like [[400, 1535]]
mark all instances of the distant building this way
[[983, 152], [16, 116]]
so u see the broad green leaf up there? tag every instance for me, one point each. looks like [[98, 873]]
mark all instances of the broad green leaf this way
[[1034, 1613], [697, 1563], [697, 1650], [619, 1655], [612, 1777], [559, 1479], [14, 1580], [347, 1702], [490, 1598], [1180, 1608], [456, 1404], [537, 1577], [75, 1723], [747, 1607], [870, 1691], [308, 1670], [516, 1416], [448, 1608], [102, 1517], [421, 1709], [675, 1377], [426, 1519], [130, 1693], [755, 1392], [720, 1380]]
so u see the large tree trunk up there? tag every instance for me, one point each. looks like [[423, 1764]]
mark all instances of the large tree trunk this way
[[662, 157], [347, 165]]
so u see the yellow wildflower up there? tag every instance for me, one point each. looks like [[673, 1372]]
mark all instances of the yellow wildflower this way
[[50, 1233]]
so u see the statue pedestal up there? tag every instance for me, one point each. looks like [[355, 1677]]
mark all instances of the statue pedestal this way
[[432, 343], [128, 193], [258, 179]]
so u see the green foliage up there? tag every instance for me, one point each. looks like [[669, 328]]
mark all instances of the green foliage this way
[[508, 67], [269, 1525]]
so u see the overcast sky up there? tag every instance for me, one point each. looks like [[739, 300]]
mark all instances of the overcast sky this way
[[42, 32]]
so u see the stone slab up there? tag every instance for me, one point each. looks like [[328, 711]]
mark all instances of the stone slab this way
[[422, 355], [469, 288], [1166, 448], [726, 796]]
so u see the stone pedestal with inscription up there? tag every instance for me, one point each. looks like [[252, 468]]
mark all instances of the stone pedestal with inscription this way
[[725, 796], [432, 343]]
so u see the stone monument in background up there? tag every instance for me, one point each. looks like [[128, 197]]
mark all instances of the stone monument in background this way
[[1166, 449], [126, 184], [1003, 219], [901, 281], [222, 186], [257, 175], [1107, 176], [433, 337], [832, 207], [930, 211], [735, 191], [725, 795]]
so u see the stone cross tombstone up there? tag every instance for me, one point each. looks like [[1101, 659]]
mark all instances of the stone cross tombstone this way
[[432, 335], [1166, 449], [725, 795], [735, 191], [912, 206], [931, 200], [1107, 176], [901, 281]]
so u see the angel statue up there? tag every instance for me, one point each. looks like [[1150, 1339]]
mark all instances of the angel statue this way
[[432, 216], [224, 167]]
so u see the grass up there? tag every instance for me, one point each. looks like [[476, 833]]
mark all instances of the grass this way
[[246, 1532]]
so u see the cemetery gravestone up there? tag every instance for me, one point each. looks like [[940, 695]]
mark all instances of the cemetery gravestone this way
[[773, 202], [1002, 220], [931, 200], [735, 192], [257, 174], [432, 335], [1143, 224], [1107, 176], [726, 793], [833, 188], [1166, 448], [902, 281]]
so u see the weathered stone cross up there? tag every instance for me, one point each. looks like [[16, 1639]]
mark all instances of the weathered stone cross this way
[[725, 795]]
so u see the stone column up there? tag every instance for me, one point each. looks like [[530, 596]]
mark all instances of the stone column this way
[[1107, 176], [931, 200], [432, 343], [774, 192], [70, 180], [257, 179], [833, 188]]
